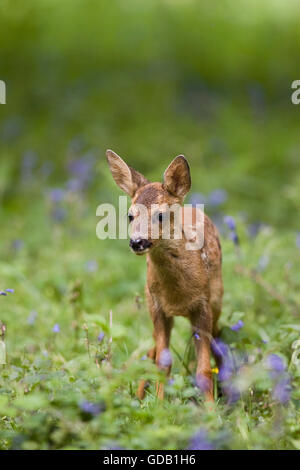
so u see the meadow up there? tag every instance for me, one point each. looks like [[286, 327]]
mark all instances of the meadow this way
[[149, 81]]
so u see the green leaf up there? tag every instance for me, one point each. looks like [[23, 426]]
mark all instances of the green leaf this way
[[32, 401]]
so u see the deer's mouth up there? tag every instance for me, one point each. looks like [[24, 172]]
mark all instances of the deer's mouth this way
[[141, 252], [140, 246]]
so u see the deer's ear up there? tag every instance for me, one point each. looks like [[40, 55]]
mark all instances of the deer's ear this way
[[177, 178], [128, 179]]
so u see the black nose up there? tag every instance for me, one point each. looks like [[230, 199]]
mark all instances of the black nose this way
[[140, 244]]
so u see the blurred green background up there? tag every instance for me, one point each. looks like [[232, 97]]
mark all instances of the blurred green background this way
[[149, 79]]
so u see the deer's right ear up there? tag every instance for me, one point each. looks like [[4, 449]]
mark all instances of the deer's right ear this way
[[128, 179]]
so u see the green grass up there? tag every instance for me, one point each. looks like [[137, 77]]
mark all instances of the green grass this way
[[150, 80], [49, 374]]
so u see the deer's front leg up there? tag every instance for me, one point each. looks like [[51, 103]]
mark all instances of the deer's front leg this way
[[202, 329], [161, 334]]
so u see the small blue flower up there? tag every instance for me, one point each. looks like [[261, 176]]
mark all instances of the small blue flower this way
[[101, 336], [59, 214], [230, 222], [82, 172], [276, 364], [3, 293], [56, 328], [197, 336], [28, 164], [89, 408], [219, 348], [200, 441], [17, 244], [143, 358], [254, 229], [165, 359], [232, 393], [10, 291], [197, 198], [171, 382], [91, 266], [282, 389], [57, 195], [237, 326], [217, 197], [227, 369], [234, 237]]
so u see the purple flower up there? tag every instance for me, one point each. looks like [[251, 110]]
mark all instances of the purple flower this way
[[92, 409], [171, 382], [11, 291], [144, 357], [165, 359], [59, 214], [298, 240], [234, 237], [114, 446], [82, 172], [74, 185], [28, 164], [276, 364], [197, 198], [3, 293], [17, 244], [56, 328], [91, 266], [217, 197], [282, 389], [197, 336], [237, 326], [101, 336], [231, 362], [232, 393], [56, 195], [219, 348], [253, 229], [200, 441], [227, 369], [230, 222]]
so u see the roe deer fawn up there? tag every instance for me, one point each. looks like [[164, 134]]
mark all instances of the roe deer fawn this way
[[179, 281]]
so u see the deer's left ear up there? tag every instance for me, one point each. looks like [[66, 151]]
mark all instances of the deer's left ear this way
[[177, 178]]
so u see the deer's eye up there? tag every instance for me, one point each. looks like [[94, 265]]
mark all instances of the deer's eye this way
[[130, 218], [160, 217]]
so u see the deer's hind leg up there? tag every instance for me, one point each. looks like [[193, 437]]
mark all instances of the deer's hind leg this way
[[202, 328], [216, 298]]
